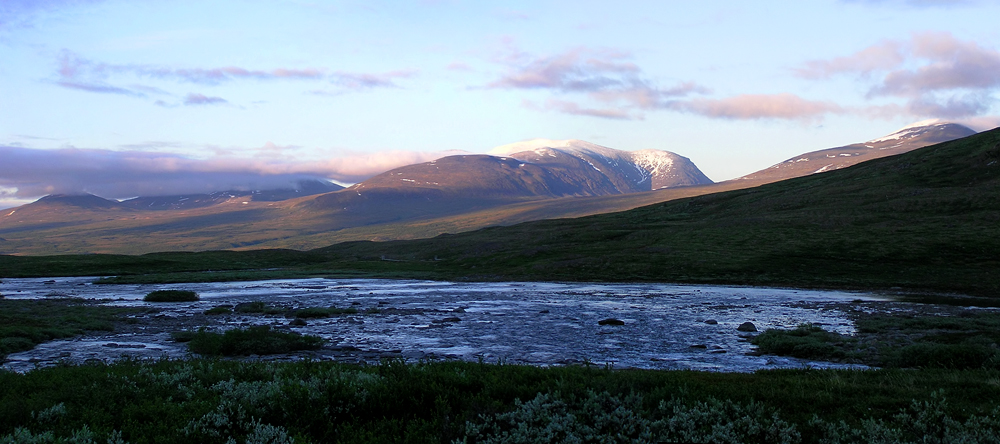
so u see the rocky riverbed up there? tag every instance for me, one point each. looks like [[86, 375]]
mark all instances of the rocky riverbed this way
[[537, 323]]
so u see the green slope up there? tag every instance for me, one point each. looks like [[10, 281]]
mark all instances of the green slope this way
[[928, 220]]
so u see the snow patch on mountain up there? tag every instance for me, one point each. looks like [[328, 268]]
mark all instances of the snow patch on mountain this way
[[910, 130]]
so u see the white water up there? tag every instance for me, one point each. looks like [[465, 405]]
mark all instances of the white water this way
[[499, 321]]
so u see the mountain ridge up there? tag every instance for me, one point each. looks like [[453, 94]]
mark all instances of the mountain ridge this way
[[312, 221]]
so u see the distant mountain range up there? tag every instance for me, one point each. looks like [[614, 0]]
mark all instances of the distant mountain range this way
[[537, 179]]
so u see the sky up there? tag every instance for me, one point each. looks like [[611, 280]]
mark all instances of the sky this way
[[161, 97]]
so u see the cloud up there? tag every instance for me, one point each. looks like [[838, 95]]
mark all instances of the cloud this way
[[884, 55], [573, 71], [79, 73], [759, 106], [122, 174], [567, 107], [602, 76], [948, 64], [98, 88], [362, 81], [937, 74], [200, 99]]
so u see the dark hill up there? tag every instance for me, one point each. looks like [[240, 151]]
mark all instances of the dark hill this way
[[85, 201]]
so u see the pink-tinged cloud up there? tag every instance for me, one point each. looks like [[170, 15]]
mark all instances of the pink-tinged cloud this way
[[601, 76], [935, 73], [759, 106], [574, 71], [201, 99], [363, 81], [568, 107], [98, 88], [123, 174], [882, 56], [949, 64]]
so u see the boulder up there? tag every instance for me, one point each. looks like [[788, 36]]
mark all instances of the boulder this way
[[711, 322], [611, 321], [747, 326]]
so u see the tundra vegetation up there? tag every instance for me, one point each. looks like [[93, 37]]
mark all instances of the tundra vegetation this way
[[171, 296]]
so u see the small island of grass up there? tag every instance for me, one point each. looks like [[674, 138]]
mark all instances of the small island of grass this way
[[171, 296]]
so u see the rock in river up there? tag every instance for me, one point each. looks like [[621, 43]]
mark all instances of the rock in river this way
[[611, 321], [747, 326]]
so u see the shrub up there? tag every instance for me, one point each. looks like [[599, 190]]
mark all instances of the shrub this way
[[171, 296], [251, 341], [258, 307], [807, 341], [218, 311], [931, 355]]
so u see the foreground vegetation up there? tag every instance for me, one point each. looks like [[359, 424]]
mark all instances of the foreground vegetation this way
[[26, 323], [966, 339], [214, 401], [171, 296]]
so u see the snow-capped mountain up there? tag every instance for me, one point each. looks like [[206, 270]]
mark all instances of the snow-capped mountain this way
[[629, 171], [908, 138], [531, 170]]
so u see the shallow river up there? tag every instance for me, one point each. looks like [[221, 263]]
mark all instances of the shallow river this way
[[666, 326]]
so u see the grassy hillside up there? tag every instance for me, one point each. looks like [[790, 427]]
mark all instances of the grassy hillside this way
[[927, 220]]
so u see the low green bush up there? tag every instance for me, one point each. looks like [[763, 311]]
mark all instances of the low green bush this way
[[171, 296], [257, 307], [261, 340], [934, 355], [26, 323], [806, 341], [215, 401], [218, 311]]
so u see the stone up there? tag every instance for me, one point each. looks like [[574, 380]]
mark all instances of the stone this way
[[444, 320], [298, 322], [711, 322], [611, 321], [699, 346], [747, 326]]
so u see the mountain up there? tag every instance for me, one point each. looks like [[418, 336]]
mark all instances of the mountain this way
[[536, 170], [450, 195], [907, 139], [923, 220], [190, 201], [622, 171]]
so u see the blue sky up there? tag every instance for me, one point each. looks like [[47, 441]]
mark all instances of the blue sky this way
[[97, 95]]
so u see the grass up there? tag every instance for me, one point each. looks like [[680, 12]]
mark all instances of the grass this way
[[807, 341], [250, 341], [211, 401], [171, 296], [26, 323], [969, 340]]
